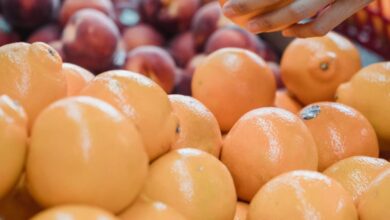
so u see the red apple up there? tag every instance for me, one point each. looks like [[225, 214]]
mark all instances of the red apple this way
[[276, 71], [72, 6], [182, 82], [7, 35], [205, 22], [90, 40], [234, 36], [29, 14], [153, 62], [169, 16], [141, 35], [48, 33], [182, 48]]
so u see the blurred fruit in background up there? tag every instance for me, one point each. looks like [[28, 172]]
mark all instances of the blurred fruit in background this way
[[340, 132], [216, 79], [70, 7], [31, 74], [91, 40], [141, 35], [153, 62], [368, 92], [313, 68], [182, 48], [264, 143], [46, 34], [74, 212], [7, 34]]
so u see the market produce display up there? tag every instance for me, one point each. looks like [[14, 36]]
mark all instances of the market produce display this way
[[167, 110]]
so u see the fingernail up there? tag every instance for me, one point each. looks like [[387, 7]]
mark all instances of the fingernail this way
[[228, 10], [252, 26]]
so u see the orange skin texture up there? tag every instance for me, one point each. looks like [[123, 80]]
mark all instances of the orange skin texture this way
[[74, 212], [141, 100], [28, 72], [145, 209], [263, 144], [194, 183], [368, 92], [313, 68], [85, 151], [374, 203], [302, 195], [76, 78], [13, 143], [198, 127], [239, 79], [244, 19], [285, 101], [18, 204], [241, 211], [356, 173], [340, 132]]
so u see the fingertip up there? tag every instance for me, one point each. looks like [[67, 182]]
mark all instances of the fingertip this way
[[228, 10]]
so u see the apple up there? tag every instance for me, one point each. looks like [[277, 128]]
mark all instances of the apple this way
[[182, 82], [276, 71], [7, 34], [90, 40], [47, 34], [153, 62], [182, 48], [70, 7], [141, 35]]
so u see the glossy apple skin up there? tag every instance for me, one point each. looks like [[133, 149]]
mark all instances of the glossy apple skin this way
[[91, 40], [29, 14], [70, 7], [183, 49], [46, 34], [141, 35]]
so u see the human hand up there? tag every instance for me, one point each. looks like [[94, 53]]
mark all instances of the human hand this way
[[320, 16]]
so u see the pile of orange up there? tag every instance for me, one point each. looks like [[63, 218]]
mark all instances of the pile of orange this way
[[117, 146]]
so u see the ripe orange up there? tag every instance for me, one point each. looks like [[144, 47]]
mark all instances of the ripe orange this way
[[198, 127], [74, 212], [356, 173], [302, 195], [145, 209], [368, 92], [13, 143], [31, 74], [243, 19], [339, 132], [313, 68], [241, 211], [194, 183], [18, 204], [230, 82], [285, 101], [374, 203], [76, 78], [263, 144], [141, 100], [85, 151]]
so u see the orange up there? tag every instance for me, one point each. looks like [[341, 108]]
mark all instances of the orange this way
[[374, 203], [241, 211], [145, 209], [368, 92], [194, 183], [302, 195], [356, 173], [74, 212], [285, 101], [198, 126], [263, 144], [230, 82], [18, 204], [13, 143], [31, 74], [313, 68], [244, 19], [76, 78], [339, 132], [84, 151], [141, 100]]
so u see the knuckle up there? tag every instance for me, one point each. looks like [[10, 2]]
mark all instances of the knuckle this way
[[318, 30], [297, 12]]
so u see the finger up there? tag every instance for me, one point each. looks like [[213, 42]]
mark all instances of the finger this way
[[327, 20], [286, 16], [241, 7]]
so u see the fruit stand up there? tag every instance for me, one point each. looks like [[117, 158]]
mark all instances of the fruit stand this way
[[168, 109]]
